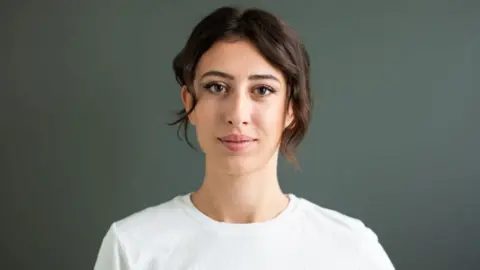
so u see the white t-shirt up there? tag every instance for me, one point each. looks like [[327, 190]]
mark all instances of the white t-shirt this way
[[176, 236]]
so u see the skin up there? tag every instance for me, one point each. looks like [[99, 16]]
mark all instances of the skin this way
[[239, 92]]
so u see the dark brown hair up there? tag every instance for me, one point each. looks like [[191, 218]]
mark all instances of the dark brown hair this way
[[277, 42]]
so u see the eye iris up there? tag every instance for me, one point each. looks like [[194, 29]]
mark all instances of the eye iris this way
[[217, 88], [262, 90]]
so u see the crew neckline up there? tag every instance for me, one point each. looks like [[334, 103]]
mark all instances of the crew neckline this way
[[225, 227]]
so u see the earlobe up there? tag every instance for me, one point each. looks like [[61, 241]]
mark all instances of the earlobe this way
[[289, 121], [187, 102], [290, 117]]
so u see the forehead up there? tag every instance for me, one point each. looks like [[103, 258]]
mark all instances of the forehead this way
[[239, 58]]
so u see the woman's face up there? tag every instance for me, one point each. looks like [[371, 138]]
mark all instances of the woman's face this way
[[240, 115]]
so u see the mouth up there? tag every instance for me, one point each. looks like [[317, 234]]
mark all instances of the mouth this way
[[236, 143]]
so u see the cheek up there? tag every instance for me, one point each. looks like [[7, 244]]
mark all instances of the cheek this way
[[202, 121], [270, 118], [204, 114]]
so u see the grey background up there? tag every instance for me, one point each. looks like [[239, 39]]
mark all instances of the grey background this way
[[86, 90]]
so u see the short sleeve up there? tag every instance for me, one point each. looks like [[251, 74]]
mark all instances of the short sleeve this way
[[111, 255], [372, 255]]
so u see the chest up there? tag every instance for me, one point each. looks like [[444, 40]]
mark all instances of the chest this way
[[255, 253]]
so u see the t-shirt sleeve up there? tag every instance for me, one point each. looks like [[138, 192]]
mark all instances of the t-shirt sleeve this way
[[372, 255], [111, 255]]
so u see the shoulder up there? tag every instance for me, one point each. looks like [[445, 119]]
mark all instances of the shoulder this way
[[167, 218], [345, 233], [153, 226], [131, 240], [330, 220]]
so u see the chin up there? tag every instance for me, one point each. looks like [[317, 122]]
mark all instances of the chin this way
[[240, 165], [240, 162]]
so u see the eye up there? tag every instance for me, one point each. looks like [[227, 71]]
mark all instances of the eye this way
[[263, 90], [215, 87]]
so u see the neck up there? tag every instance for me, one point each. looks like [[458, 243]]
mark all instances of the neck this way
[[255, 196]]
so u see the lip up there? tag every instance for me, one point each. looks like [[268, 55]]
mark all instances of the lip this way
[[237, 142]]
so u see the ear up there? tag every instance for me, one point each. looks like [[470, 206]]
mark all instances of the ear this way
[[187, 100], [289, 116]]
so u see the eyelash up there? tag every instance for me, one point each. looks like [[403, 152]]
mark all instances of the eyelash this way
[[208, 87]]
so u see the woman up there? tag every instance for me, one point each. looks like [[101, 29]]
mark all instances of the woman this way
[[244, 78]]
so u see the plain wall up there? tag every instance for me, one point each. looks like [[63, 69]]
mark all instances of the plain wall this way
[[87, 87]]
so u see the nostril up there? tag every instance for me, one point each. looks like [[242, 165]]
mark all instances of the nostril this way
[[230, 122]]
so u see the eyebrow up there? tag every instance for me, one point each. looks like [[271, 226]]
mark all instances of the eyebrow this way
[[217, 73]]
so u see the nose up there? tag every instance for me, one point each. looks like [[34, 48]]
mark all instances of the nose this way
[[238, 109]]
